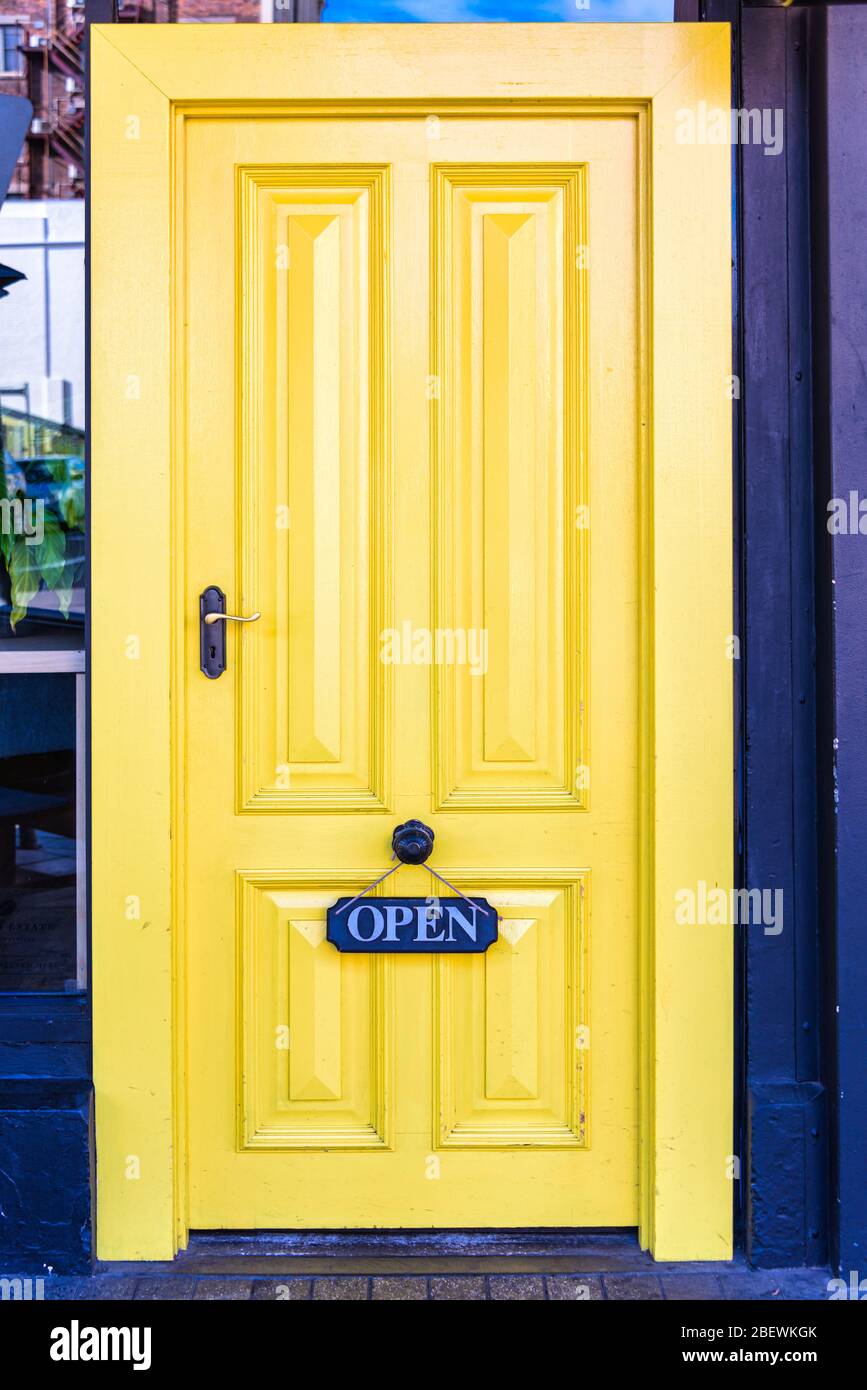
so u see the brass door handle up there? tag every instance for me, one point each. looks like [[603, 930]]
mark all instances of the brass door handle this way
[[230, 618]]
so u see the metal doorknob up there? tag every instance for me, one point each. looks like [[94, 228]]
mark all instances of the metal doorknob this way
[[211, 618], [413, 842]]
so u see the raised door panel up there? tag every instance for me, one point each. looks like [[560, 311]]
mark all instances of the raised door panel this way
[[509, 423], [511, 1025], [315, 1026], [313, 489]]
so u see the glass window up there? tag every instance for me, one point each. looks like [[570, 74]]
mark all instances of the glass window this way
[[42, 577], [11, 59], [41, 800], [41, 530]]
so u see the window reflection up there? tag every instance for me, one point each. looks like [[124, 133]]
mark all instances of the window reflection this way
[[41, 529]]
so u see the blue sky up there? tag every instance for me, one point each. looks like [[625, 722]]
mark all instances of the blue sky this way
[[441, 11]]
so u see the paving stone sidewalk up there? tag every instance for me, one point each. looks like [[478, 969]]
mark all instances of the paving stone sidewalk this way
[[734, 1281]]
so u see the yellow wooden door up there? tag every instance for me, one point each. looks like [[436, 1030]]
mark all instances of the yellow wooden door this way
[[413, 377], [417, 340]]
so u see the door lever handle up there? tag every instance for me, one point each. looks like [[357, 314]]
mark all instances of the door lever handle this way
[[212, 630], [211, 618]]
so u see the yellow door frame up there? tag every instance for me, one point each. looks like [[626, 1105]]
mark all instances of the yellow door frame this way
[[148, 81]]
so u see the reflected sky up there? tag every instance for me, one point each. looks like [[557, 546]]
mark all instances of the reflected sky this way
[[458, 11]]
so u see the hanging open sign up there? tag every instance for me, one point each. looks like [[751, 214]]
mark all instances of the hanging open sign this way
[[408, 926]]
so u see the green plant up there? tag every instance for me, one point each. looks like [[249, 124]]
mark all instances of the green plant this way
[[30, 563]]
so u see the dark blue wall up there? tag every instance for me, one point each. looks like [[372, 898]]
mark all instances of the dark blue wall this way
[[838, 37], [46, 1135], [785, 1123]]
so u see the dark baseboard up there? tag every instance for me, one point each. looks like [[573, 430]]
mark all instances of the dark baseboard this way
[[46, 1135], [787, 1219]]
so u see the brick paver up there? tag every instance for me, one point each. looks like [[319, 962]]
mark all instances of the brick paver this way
[[634, 1286], [107, 1287], [165, 1286], [704, 1282], [458, 1286], [762, 1285], [411, 1287], [516, 1286], [698, 1286], [583, 1287], [349, 1288], [215, 1289], [286, 1290]]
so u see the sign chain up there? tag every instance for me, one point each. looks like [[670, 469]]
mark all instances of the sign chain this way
[[393, 870]]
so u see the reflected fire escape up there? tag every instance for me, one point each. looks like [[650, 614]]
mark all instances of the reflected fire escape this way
[[53, 79]]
